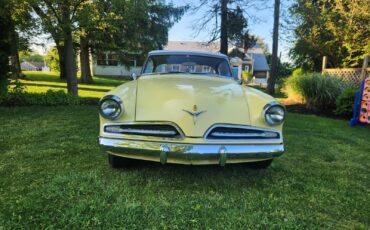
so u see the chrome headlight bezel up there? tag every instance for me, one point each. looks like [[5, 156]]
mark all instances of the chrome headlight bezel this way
[[280, 111], [116, 101]]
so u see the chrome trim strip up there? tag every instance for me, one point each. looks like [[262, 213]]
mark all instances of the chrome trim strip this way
[[187, 153], [133, 136], [148, 131], [223, 134], [280, 139]]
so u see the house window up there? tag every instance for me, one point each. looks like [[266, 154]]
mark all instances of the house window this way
[[175, 68], [246, 68], [112, 59], [104, 59]]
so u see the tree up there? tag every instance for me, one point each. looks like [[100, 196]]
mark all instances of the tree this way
[[59, 19], [226, 19], [5, 44], [30, 56], [274, 59], [52, 59], [131, 34], [337, 29]]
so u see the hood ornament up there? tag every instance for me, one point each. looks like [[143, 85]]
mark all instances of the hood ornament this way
[[194, 114]]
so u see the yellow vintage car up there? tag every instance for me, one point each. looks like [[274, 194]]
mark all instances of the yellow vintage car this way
[[186, 108]]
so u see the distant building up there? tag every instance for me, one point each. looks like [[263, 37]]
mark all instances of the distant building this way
[[34, 66], [107, 64]]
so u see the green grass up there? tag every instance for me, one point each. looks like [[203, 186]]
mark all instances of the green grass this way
[[54, 176], [37, 82]]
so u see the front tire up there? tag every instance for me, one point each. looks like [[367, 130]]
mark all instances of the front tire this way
[[119, 162], [260, 164]]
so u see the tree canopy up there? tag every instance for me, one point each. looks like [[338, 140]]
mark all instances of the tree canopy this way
[[338, 29]]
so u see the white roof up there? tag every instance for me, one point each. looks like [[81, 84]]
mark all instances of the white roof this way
[[182, 52], [194, 46]]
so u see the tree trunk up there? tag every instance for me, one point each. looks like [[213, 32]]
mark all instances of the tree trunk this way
[[69, 56], [5, 42], [224, 36], [14, 60], [70, 63], [274, 61], [62, 66], [85, 60]]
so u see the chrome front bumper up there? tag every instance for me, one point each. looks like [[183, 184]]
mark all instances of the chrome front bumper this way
[[196, 154]]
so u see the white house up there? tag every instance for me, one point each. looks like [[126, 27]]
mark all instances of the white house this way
[[34, 66], [107, 64]]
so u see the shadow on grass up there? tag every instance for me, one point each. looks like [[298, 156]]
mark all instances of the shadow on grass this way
[[64, 87]]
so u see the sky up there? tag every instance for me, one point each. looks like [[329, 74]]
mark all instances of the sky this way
[[262, 27]]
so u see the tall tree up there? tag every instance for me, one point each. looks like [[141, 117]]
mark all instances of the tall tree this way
[[59, 19], [136, 27], [275, 40], [224, 19], [337, 29], [5, 44]]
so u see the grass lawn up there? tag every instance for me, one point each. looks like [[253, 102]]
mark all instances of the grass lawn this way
[[41, 82], [54, 176]]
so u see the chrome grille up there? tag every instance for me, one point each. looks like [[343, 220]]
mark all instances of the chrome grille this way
[[240, 133], [149, 130]]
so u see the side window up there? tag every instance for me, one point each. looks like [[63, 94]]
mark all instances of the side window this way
[[149, 66], [223, 69]]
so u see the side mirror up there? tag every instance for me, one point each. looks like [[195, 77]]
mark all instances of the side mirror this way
[[134, 76]]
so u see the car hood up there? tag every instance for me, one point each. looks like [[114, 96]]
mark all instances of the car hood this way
[[165, 97]]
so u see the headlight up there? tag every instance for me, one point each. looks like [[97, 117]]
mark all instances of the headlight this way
[[274, 113], [110, 107]]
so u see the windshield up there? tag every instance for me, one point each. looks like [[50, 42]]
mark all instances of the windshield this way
[[185, 63]]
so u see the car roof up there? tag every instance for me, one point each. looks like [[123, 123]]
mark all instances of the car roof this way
[[184, 52]]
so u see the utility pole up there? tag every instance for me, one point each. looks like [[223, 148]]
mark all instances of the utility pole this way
[[275, 39]]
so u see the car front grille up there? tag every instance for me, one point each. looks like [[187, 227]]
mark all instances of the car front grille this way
[[230, 132], [148, 130]]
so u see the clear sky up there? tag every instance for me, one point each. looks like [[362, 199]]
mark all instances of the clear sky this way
[[182, 31]]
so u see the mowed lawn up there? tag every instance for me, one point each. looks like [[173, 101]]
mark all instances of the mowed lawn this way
[[37, 82], [54, 176]]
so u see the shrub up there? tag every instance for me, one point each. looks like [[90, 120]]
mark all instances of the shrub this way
[[50, 98], [344, 103], [246, 76], [320, 92]]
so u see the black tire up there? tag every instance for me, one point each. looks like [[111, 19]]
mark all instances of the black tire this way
[[119, 162], [260, 164]]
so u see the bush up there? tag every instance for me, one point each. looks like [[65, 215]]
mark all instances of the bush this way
[[320, 92], [50, 98], [246, 76], [344, 103]]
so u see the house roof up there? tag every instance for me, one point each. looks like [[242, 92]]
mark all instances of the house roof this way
[[194, 46], [37, 65], [260, 62], [174, 52]]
